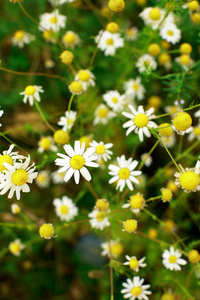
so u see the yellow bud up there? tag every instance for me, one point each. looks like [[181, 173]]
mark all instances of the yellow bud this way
[[61, 137], [67, 57], [116, 5]]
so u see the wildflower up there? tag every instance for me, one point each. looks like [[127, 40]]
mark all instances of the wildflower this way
[[67, 57], [154, 101], [70, 39], [193, 256], [185, 61], [60, 2], [66, 210], [99, 219], [171, 259], [9, 157], [130, 225], [168, 141], [16, 247], [134, 289], [76, 161], [136, 203], [112, 27], [101, 150], [166, 195], [170, 33], [123, 173], [185, 48], [114, 100], [68, 121], [134, 263], [114, 248], [116, 5], [49, 36], [132, 33], [140, 121], [195, 18], [58, 178], [61, 137], [53, 21], [109, 42], [152, 233], [195, 133], [153, 16], [31, 93], [102, 204], [16, 177], [86, 78], [147, 159], [49, 63], [87, 139], [76, 88], [43, 179], [103, 115], [165, 129], [168, 296], [164, 60], [169, 226], [15, 208], [146, 63], [46, 143], [46, 231], [21, 38], [134, 88], [154, 49]]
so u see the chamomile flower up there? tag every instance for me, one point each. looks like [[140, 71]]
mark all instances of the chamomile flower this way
[[134, 263], [76, 161], [112, 248], [16, 177], [68, 121], [43, 179], [134, 88], [9, 157], [132, 33], [16, 247], [20, 38], [124, 173], [46, 143], [147, 159], [140, 121], [66, 210], [58, 178], [31, 93], [169, 141], [146, 63], [153, 16], [53, 21], [103, 115], [194, 133], [99, 219], [172, 259], [171, 33], [15, 208], [60, 2], [70, 39], [86, 78], [109, 42], [185, 61], [114, 100], [102, 150], [136, 203], [133, 289]]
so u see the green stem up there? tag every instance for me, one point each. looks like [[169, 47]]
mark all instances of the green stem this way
[[149, 153], [27, 14], [43, 117], [184, 289], [153, 198]]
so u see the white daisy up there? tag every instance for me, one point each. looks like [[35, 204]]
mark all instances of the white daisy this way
[[136, 203], [134, 263], [43, 179], [140, 121], [1, 113], [147, 159], [66, 210], [58, 178], [109, 42], [146, 63], [68, 121], [53, 21], [170, 33], [195, 133], [123, 173], [134, 88], [60, 2], [15, 208], [114, 100], [31, 93], [9, 157], [46, 143], [76, 161], [185, 61], [169, 141], [132, 33], [171, 259], [153, 16], [16, 177], [86, 78], [135, 290], [103, 115], [114, 248], [101, 150], [70, 39], [21, 38], [99, 219], [16, 247]]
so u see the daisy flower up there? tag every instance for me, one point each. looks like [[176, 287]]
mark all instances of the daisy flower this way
[[1, 113], [43, 179], [58, 178], [132, 33], [170, 33], [134, 263], [133, 289], [101, 150], [60, 2], [114, 100], [66, 210], [134, 88], [46, 143], [140, 121], [16, 177], [31, 93], [147, 159], [53, 21], [76, 161], [68, 121], [16, 247], [103, 115], [171, 259], [70, 39], [185, 61], [21, 38], [124, 173], [9, 157], [114, 248], [146, 63], [86, 78], [194, 133], [169, 141], [109, 42], [136, 203], [153, 16], [15, 208], [99, 219]]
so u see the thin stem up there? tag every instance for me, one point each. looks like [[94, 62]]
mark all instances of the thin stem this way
[[91, 189], [184, 289], [189, 276], [111, 269], [11, 142], [72, 223], [43, 117], [149, 153], [153, 198], [27, 14], [171, 113]]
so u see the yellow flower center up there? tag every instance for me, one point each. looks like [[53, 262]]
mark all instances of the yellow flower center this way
[[185, 48], [85, 139], [61, 137], [19, 34], [84, 75], [19, 177], [102, 112], [136, 86], [67, 57], [45, 143], [102, 204], [75, 87], [77, 162], [124, 173], [155, 14], [136, 291], [41, 178], [5, 158], [197, 130], [189, 180], [17, 209], [30, 90], [184, 59], [170, 32], [165, 129], [130, 225], [100, 216], [109, 41], [48, 34], [130, 32], [112, 27], [193, 5], [69, 38], [14, 247], [172, 259], [53, 20], [100, 149], [117, 249], [114, 100], [164, 58], [141, 120], [166, 194], [116, 5], [136, 201], [154, 49], [182, 121], [133, 263], [46, 230], [167, 297], [194, 256], [64, 209]]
